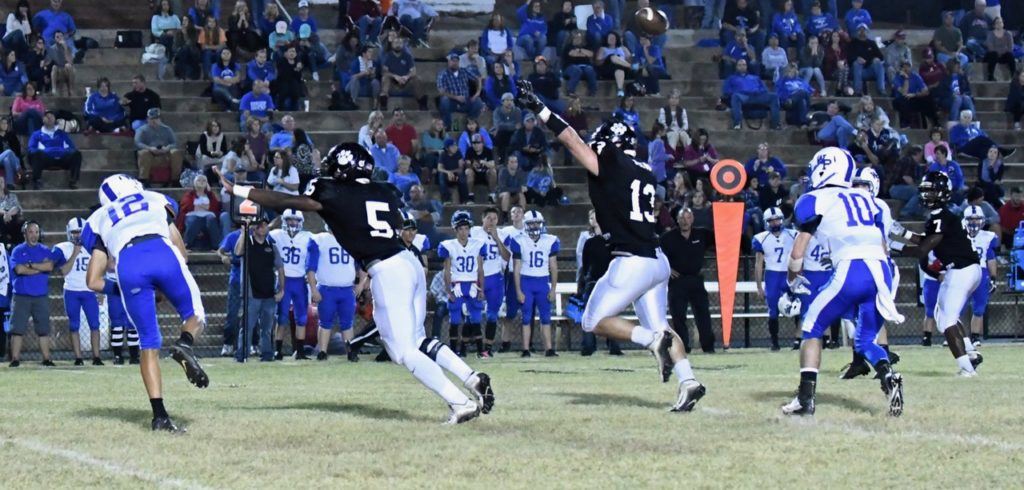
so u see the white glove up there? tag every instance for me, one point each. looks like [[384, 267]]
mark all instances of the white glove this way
[[799, 285], [456, 290], [897, 229], [473, 291]]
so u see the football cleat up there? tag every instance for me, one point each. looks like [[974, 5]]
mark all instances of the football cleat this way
[[278, 356], [525, 353], [300, 354], [926, 341], [852, 370], [505, 347], [97, 362], [480, 385], [183, 355], [690, 392], [118, 360], [892, 386], [798, 407], [165, 424], [227, 350], [893, 358], [133, 360], [966, 374], [661, 348], [463, 413], [484, 354], [79, 362], [47, 363], [15, 363], [550, 353], [353, 356], [321, 356], [976, 359]]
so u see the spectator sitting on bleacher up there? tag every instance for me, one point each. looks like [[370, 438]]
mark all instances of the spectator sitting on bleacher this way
[[651, 65], [37, 66], [912, 99], [701, 207], [268, 20], [763, 165], [241, 34], [577, 63], [404, 178], [533, 28], [139, 101], [62, 67], [546, 84], [868, 111], [541, 189], [480, 167], [398, 73], [283, 176], [838, 130], [226, 78], [290, 88], [451, 173], [599, 25], [998, 49], [741, 16], [865, 60], [212, 146], [614, 62], [699, 156], [50, 147], [562, 25], [737, 50], [238, 161], [417, 16], [505, 120], [632, 33], [164, 25], [884, 145], [990, 176], [931, 71], [385, 155], [12, 75], [856, 16], [312, 51], [946, 164], [967, 138], [473, 62], [773, 59], [453, 89], [949, 41], [402, 134], [259, 69], [367, 16], [820, 24], [954, 92], [975, 26], [374, 121], [511, 64], [103, 111], [786, 25], [198, 211], [529, 143], [511, 185], [259, 144], [27, 111], [673, 118], [812, 59], [280, 39], [1014, 104], [1011, 214], [496, 39], [628, 113], [257, 105], [836, 67], [909, 171], [157, 144], [10, 212], [775, 195], [497, 84], [472, 129], [53, 20], [187, 53], [431, 147], [743, 90], [212, 40], [19, 28], [794, 97], [201, 11], [10, 152], [896, 53]]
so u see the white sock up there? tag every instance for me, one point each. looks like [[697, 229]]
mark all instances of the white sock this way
[[453, 364], [431, 375], [642, 336], [968, 344], [683, 371], [964, 362]]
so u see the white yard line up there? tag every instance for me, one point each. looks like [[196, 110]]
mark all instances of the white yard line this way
[[970, 439], [107, 466]]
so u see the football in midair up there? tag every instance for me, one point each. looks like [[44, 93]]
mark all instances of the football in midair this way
[[652, 21]]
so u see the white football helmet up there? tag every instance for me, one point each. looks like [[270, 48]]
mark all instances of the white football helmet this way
[[789, 305], [831, 166], [117, 186], [974, 219], [772, 214], [534, 222], [867, 177], [293, 221], [74, 229]]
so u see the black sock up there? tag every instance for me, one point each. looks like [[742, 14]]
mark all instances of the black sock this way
[[857, 357], [133, 352], [492, 329], [158, 407], [883, 367], [186, 338], [116, 349], [808, 383], [885, 347], [462, 347], [479, 345], [928, 335], [278, 344], [773, 330], [453, 335]]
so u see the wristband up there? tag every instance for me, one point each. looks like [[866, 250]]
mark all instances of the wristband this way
[[553, 121], [908, 235], [241, 191], [796, 265]]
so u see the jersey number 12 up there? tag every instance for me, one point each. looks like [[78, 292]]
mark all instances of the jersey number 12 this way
[[636, 214]]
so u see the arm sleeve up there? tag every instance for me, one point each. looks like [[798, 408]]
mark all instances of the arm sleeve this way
[[555, 247], [517, 252], [805, 215], [442, 252], [57, 256], [312, 256], [756, 246]]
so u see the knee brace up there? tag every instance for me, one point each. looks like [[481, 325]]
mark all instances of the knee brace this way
[[117, 336], [430, 347]]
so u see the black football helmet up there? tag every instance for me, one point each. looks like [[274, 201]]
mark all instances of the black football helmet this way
[[936, 190], [616, 131], [347, 161]]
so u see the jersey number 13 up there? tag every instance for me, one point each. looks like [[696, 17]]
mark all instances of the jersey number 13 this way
[[638, 190]]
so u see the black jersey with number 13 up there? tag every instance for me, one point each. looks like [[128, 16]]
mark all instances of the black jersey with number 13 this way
[[623, 197], [363, 216], [955, 249]]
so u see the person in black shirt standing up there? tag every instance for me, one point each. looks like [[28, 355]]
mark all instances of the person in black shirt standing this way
[[945, 236], [597, 254], [685, 249], [262, 261]]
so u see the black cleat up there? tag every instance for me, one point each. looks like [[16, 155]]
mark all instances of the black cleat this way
[[892, 386], [353, 356], [660, 348], [977, 360], [133, 360], [926, 341], [775, 347], [854, 370], [690, 392], [15, 363], [118, 360], [505, 347], [893, 358], [480, 385], [321, 356], [796, 344], [799, 407], [525, 353], [383, 356], [300, 355], [165, 424], [47, 363], [550, 353], [278, 356], [79, 362], [97, 362], [183, 355]]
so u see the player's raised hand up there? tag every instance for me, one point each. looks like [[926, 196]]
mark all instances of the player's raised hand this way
[[228, 186], [526, 98]]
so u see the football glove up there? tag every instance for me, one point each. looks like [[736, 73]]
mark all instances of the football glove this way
[[526, 98], [799, 285], [897, 229]]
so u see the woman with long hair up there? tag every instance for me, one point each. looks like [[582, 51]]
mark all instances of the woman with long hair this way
[[10, 212], [212, 39], [226, 77], [187, 53], [241, 35], [699, 156], [103, 110], [13, 76], [283, 176], [212, 146], [614, 62], [496, 39], [28, 111], [19, 27]]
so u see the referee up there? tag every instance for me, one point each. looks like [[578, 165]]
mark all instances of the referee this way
[[685, 248]]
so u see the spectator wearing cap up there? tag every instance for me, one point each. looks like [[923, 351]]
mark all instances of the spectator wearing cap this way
[[968, 138], [857, 16], [786, 25], [451, 173], [931, 71], [533, 28], [258, 105], [302, 18], [599, 25], [511, 185], [385, 155], [773, 59], [402, 134], [312, 50], [837, 130], [998, 49], [139, 101], [103, 111], [505, 120], [743, 90], [578, 63], [912, 99], [794, 96], [480, 166], [949, 41], [896, 53], [264, 269], [865, 59], [32, 263], [157, 146], [498, 83], [529, 143], [417, 16], [280, 38], [954, 92], [398, 73], [365, 77], [49, 148], [975, 26], [547, 85], [453, 88]]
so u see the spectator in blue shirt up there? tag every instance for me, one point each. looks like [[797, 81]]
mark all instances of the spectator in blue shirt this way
[[13, 76], [259, 68], [31, 264], [806, 6], [103, 111], [954, 91], [385, 155], [743, 90], [453, 88], [226, 252], [943, 163], [764, 165], [738, 50], [51, 20], [856, 16], [533, 29], [599, 24], [651, 63], [303, 18], [201, 10], [837, 130], [258, 105], [226, 78], [818, 23], [364, 76], [417, 16], [497, 84], [404, 178], [794, 96], [911, 98], [787, 26], [968, 138], [50, 147]]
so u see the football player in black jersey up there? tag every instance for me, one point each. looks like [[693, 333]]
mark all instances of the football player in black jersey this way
[[364, 217], [946, 238], [622, 192]]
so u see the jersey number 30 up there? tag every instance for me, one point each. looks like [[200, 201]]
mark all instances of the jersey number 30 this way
[[637, 189], [380, 228]]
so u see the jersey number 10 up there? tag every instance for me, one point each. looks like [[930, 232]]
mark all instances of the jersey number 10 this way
[[858, 210], [636, 214]]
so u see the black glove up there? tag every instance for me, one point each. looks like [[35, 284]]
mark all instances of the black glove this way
[[526, 98]]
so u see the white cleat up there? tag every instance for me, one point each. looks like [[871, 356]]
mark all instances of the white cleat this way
[[462, 413], [660, 347], [690, 392], [966, 374], [893, 388]]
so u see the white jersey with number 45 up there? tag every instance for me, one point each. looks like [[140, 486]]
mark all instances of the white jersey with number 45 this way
[[493, 263], [847, 219], [127, 218]]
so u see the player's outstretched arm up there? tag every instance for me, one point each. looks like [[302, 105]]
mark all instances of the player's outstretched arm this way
[[270, 199], [565, 134]]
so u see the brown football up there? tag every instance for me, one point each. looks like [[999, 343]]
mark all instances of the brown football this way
[[652, 21]]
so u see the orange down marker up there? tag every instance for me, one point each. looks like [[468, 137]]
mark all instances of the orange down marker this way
[[728, 177]]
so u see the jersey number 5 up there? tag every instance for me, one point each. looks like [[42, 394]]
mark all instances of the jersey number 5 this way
[[380, 228], [636, 214]]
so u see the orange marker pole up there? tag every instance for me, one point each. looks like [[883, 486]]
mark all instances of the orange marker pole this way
[[728, 177]]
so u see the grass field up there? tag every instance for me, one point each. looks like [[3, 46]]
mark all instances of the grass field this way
[[596, 422]]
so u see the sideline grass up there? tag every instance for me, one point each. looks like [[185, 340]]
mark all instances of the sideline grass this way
[[576, 422]]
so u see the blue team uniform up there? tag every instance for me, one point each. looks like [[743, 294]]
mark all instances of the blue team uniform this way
[[494, 266], [985, 243], [293, 250], [817, 270], [776, 249], [512, 305], [335, 276], [77, 296], [465, 263], [534, 275]]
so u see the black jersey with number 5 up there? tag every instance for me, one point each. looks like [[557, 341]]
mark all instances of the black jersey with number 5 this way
[[363, 216], [623, 197], [955, 249]]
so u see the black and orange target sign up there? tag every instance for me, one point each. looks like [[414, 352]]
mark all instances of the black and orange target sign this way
[[728, 177]]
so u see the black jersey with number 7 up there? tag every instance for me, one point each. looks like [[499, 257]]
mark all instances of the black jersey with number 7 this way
[[363, 217], [623, 197], [954, 250]]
